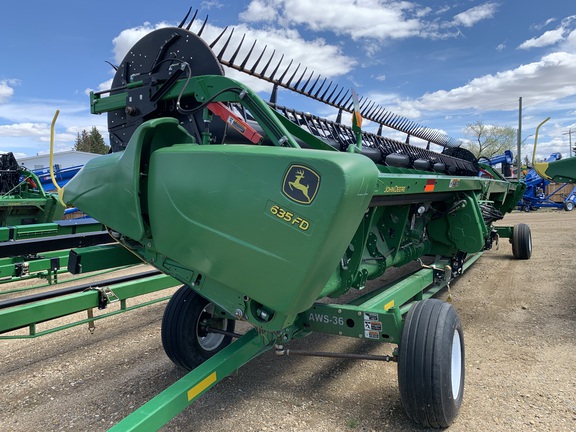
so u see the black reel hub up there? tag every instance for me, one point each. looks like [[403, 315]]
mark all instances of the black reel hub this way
[[158, 60]]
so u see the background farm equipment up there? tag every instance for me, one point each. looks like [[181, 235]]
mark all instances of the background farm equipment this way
[[22, 198], [61, 175], [538, 195], [505, 160], [261, 211]]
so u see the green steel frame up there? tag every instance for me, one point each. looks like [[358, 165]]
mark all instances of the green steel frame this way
[[30, 315], [376, 316]]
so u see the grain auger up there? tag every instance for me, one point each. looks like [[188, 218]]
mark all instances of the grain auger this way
[[262, 210]]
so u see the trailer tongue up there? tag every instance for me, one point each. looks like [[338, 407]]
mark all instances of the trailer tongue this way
[[261, 211]]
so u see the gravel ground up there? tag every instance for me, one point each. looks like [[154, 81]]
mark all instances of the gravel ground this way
[[519, 320]]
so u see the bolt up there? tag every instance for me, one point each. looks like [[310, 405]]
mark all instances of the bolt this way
[[238, 313], [131, 111]]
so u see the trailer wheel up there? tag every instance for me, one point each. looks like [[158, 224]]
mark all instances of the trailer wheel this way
[[184, 336], [431, 364], [522, 242], [569, 205]]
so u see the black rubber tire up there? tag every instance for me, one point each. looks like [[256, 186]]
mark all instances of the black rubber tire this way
[[568, 205], [183, 339], [431, 366], [521, 242]]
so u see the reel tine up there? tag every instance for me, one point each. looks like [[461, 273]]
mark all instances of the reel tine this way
[[253, 70], [386, 119], [293, 75], [327, 100], [113, 65], [303, 89], [349, 103], [231, 61], [370, 109], [284, 74], [343, 98], [185, 18], [319, 88], [332, 99], [302, 76], [276, 70], [267, 64], [380, 116], [218, 38], [309, 93], [378, 112], [362, 103], [221, 54], [203, 26], [325, 92], [243, 64], [192, 20]]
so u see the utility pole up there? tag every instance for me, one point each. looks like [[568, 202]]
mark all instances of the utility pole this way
[[519, 141], [569, 133]]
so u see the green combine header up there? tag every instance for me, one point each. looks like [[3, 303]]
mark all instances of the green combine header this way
[[261, 211]]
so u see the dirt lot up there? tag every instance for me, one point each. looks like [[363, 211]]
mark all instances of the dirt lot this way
[[519, 321]]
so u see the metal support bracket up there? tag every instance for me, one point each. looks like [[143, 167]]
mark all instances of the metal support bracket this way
[[105, 296]]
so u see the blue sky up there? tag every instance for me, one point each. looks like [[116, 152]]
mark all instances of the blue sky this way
[[442, 64]]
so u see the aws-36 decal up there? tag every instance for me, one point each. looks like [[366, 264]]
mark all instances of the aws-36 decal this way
[[301, 184]]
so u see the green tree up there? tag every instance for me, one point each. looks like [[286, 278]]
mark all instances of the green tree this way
[[91, 142], [488, 140]]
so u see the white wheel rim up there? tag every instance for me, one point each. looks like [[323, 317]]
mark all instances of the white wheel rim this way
[[212, 340], [456, 375]]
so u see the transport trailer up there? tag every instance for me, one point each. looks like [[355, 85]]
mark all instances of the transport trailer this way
[[261, 211]]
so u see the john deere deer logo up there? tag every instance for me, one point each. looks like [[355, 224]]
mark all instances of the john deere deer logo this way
[[301, 184]]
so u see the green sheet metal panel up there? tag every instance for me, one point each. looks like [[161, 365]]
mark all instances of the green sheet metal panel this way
[[239, 215]]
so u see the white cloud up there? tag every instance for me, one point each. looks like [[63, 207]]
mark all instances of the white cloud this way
[[259, 11], [478, 13], [541, 26], [547, 80], [569, 44], [24, 129], [550, 37], [211, 4], [379, 19], [6, 89]]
